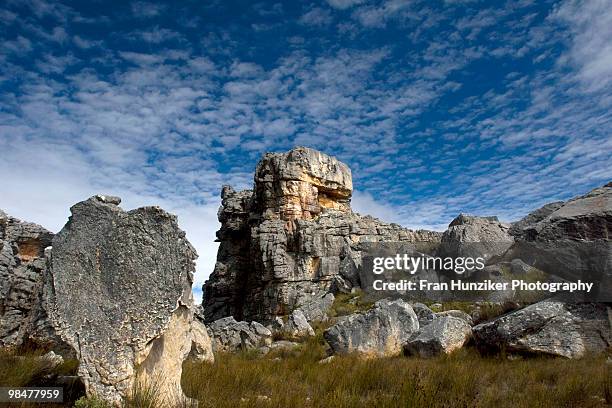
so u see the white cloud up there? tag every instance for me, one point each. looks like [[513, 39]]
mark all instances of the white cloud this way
[[316, 17], [147, 9], [344, 4], [590, 24]]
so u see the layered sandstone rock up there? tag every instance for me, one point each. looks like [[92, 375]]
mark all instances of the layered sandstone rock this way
[[292, 239], [118, 290]]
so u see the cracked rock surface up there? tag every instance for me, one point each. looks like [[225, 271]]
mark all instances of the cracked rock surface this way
[[118, 290]]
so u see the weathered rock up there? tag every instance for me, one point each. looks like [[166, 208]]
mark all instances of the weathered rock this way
[[549, 327], [283, 345], [471, 236], [22, 262], [518, 228], [443, 335], [297, 325], [292, 239], [424, 314], [518, 267], [458, 314], [381, 331], [54, 360], [230, 335], [316, 310], [118, 290], [571, 240], [201, 344]]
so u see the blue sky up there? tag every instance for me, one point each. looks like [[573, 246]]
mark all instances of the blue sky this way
[[439, 107]]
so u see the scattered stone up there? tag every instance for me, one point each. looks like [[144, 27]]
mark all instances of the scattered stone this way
[[118, 290], [443, 335], [230, 335], [298, 326], [549, 327], [381, 331]]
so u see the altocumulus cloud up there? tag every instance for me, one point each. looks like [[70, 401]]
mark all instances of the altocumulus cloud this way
[[437, 107]]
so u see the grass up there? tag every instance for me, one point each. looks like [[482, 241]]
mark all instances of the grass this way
[[464, 379], [349, 303], [296, 378]]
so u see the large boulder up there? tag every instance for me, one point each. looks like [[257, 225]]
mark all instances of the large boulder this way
[[292, 239], [443, 335], [118, 290], [22, 263], [380, 331], [549, 327], [472, 236], [230, 335]]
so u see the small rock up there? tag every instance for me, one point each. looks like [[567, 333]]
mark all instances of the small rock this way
[[518, 267], [327, 360], [109, 199], [298, 326], [53, 359]]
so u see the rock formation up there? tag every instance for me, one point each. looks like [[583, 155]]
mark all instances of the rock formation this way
[[229, 335], [380, 331], [472, 236], [118, 290], [22, 262], [293, 238], [549, 327], [571, 240]]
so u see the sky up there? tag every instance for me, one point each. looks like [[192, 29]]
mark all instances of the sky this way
[[438, 107]]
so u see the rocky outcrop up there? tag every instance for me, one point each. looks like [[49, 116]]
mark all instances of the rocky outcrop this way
[[443, 335], [472, 236], [230, 335], [22, 262], [381, 331], [549, 327], [292, 239], [519, 228], [571, 240], [118, 290]]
